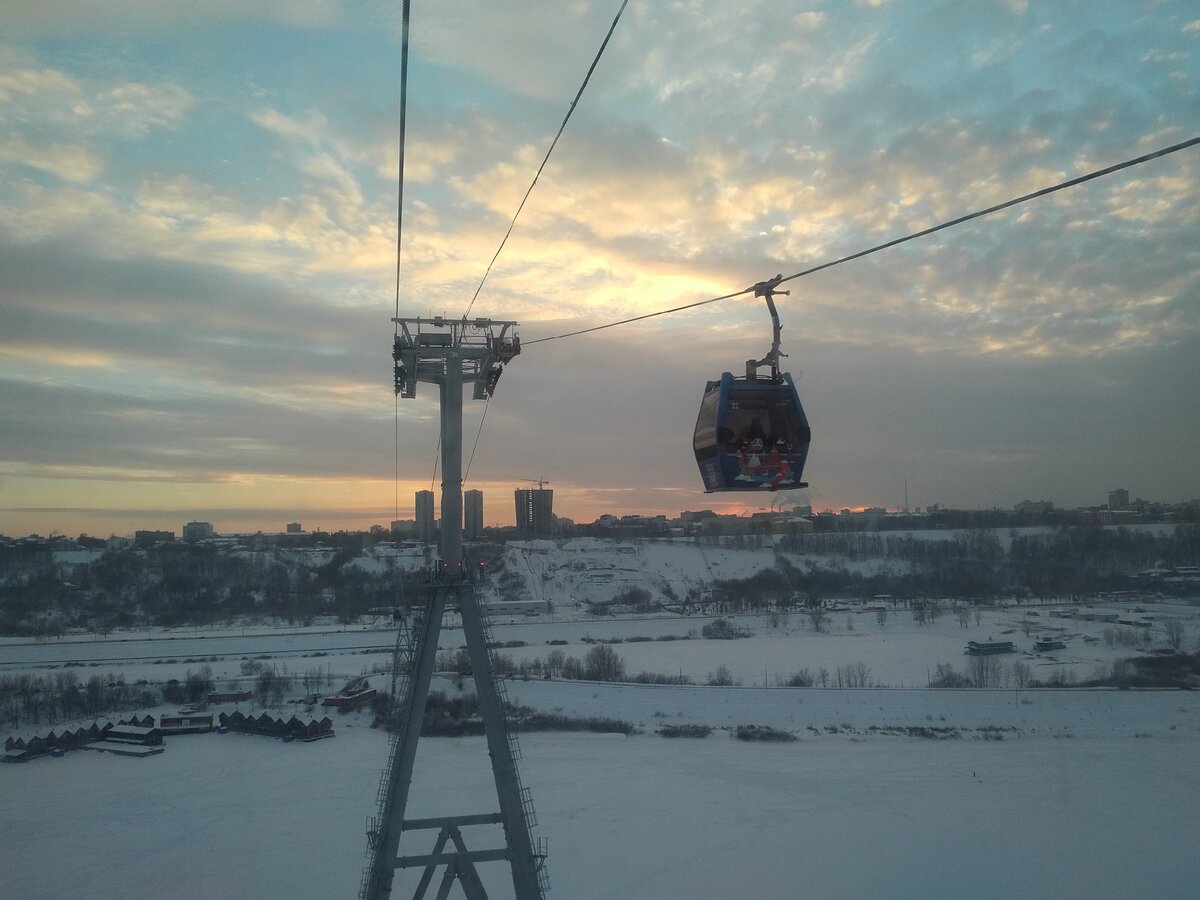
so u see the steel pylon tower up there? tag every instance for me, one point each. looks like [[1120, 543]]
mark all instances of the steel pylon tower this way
[[451, 353]]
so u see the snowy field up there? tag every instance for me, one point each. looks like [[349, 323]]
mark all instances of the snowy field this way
[[834, 816], [897, 653]]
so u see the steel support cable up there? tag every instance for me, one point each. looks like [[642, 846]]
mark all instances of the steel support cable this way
[[511, 225], [400, 222], [662, 312], [478, 432], [396, 444], [1099, 173], [546, 159], [400, 167], [371, 884], [437, 457], [404, 30]]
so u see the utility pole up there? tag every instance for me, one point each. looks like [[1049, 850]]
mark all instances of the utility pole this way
[[451, 353]]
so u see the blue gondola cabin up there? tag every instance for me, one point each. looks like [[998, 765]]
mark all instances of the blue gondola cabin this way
[[751, 434]]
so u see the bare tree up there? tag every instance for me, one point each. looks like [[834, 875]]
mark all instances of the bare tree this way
[[1022, 674], [1174, 629], [985, 672], [722, 677], [860, 675], [817, 616], [964, 614], [263, 685], [881, 616], [803, 678], [946, 676], [603, 664], [855, 675]]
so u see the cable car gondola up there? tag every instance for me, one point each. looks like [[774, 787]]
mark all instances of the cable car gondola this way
[[752, 433]]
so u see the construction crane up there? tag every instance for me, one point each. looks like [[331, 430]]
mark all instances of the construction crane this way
[[540, 482]]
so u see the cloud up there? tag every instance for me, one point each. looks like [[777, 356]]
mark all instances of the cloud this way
[[75, 163], [67, 19], [133, 109], [198, 247], [37, 98], [310, 131]]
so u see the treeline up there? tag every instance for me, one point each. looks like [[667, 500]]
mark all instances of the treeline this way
[[600, 663], [976, 565], [180, 584], [1181, 670], [185, 584], [603, 663], [27, 699]]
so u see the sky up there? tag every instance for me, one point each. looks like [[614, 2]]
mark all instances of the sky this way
[[198, 237]]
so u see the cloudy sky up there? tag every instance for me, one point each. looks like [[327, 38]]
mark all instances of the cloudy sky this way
[[198, 232]]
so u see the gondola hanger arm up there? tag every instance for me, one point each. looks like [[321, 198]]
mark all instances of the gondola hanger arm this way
[[767, 290]]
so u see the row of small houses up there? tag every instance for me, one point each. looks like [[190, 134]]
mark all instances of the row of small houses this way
[[140, 737], [292, 729], [133, 737]]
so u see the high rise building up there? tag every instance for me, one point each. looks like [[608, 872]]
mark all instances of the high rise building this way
[[535, 512], [472, 515], [1118, 499], [426, 526], [197, 531]]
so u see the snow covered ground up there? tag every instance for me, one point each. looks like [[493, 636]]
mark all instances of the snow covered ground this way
[[1036, 793], [830, 816], [1063, 713], [1030, 793], [897, 653]]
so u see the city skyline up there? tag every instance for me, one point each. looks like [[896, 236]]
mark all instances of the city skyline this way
[[197, 251], [475, 499]]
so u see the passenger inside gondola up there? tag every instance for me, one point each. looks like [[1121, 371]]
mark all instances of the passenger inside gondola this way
[[751, 452], [750, 457], [777, 466]]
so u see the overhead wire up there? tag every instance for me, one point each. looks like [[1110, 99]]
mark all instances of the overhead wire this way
[[404, 23], [546, 159], [437, 456], [400, 167], [512, 224], [1063, 185], [478, 432]]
